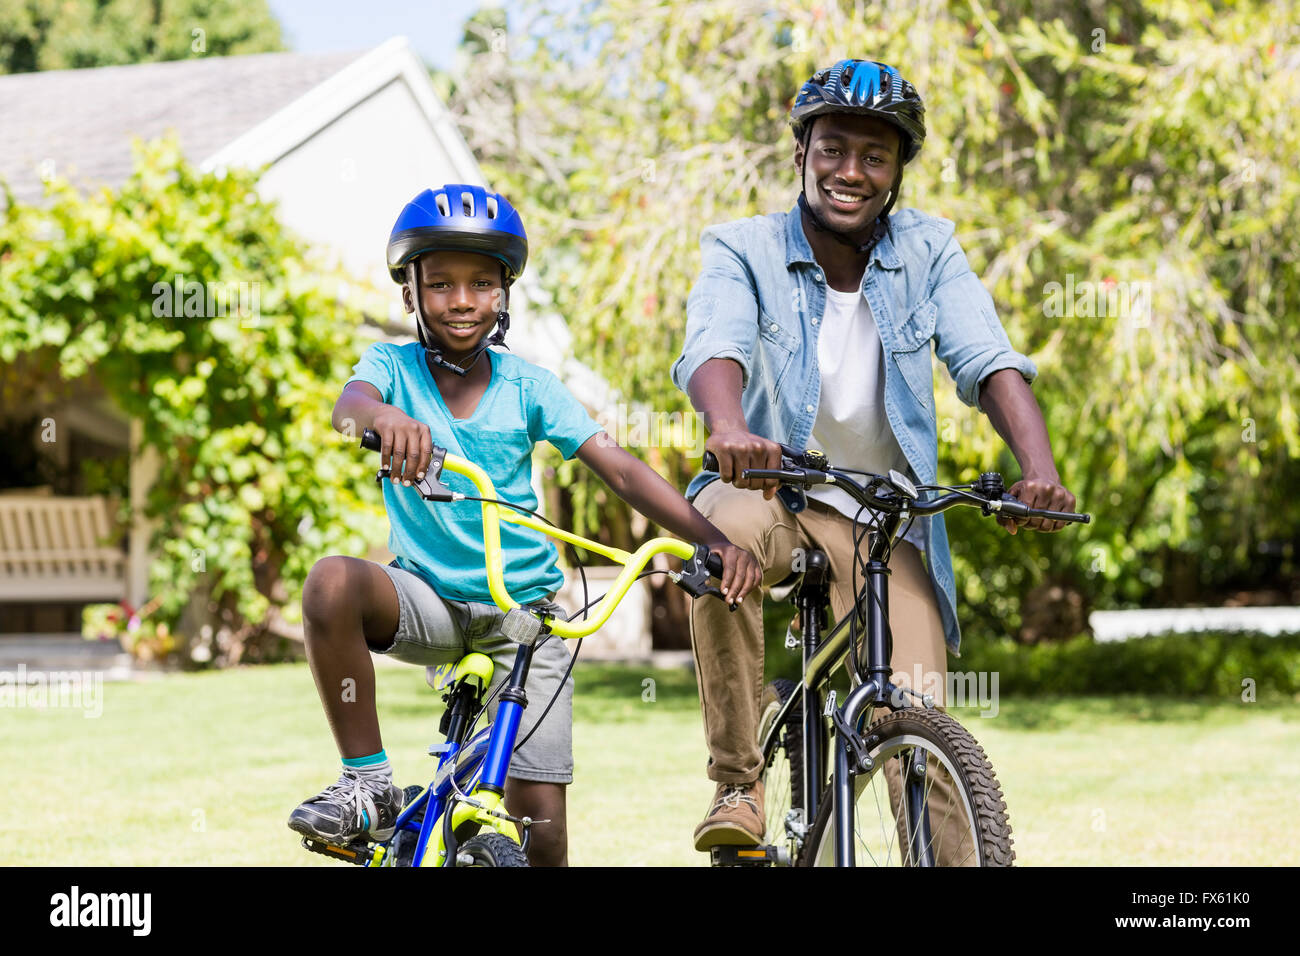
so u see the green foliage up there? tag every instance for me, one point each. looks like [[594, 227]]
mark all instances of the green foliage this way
[[1181, 665], [1143, 153], [72, 34], [254, 483]]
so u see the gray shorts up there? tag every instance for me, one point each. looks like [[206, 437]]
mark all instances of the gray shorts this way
[[432, 630]]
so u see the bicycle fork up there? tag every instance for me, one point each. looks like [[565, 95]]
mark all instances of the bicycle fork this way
[[850, 752]]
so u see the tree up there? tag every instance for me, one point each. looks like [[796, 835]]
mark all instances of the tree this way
[[73, 34], [202, 317], [1138, 155]]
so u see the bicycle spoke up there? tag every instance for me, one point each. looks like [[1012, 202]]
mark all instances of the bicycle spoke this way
[[915, 812], [886, 838], [858, 833]]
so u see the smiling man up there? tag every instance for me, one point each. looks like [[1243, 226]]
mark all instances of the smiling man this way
[[813, 328]]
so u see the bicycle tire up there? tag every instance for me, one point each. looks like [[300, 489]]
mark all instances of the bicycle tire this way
[[951, 747], [782, 774], [491, 849]]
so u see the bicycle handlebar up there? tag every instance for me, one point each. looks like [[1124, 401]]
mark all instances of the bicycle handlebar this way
[[698, 563], [808, 468]]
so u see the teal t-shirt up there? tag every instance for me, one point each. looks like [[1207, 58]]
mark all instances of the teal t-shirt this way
[[442, 542]]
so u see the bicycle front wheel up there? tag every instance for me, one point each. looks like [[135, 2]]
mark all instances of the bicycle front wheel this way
[[782, 768], [490, 849], [950, 814]]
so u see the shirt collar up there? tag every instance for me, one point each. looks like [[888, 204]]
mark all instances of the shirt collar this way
[[797, 248]]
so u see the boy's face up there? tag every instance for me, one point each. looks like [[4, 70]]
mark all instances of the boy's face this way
[[854, 157], [462, 295]]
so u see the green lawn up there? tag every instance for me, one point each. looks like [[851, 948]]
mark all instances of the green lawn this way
[[201, 769]]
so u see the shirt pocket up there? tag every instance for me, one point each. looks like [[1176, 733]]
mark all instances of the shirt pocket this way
[[778, 344], [912, 352]]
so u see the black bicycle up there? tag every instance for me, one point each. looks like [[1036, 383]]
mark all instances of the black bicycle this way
[[842, 786]]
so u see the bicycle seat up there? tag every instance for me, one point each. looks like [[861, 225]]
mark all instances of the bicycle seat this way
[[475, 665], [815, 561]]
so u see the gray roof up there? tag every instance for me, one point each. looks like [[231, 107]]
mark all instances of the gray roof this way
[[83, 120]]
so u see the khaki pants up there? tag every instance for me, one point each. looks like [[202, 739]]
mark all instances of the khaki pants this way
[[728, 646]]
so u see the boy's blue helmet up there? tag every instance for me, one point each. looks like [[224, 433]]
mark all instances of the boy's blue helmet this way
[[458, 218]]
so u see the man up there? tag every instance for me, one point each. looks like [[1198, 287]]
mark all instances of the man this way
[[813, 328]]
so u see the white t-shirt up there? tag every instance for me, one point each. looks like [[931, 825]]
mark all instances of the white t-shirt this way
[[851, 426]]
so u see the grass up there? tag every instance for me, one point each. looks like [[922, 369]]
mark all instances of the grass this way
[[203, 769]]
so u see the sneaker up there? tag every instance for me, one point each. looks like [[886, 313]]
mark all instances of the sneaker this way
[[349, 809], [735, 818]]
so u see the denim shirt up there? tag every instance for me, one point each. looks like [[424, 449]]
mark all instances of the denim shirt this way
[[759, 300]]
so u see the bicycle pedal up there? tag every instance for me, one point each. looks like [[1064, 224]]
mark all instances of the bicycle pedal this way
[[748, 856], [358, 854]]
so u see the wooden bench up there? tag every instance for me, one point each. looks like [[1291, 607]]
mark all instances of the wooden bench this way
[[56, 549]]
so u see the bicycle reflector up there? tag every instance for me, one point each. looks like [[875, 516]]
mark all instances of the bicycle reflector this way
[[521, 625]]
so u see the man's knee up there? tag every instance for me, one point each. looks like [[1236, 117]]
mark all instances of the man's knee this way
[[744, 516]]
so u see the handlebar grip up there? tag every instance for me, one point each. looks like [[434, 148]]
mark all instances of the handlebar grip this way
[[794, 476], [710, 460], [714, 565], [1064, 516], [370, 440], [1018, 509]]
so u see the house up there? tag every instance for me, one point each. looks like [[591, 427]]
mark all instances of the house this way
[[346, 139]]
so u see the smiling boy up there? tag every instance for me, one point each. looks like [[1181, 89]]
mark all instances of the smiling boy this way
[[456, 251]]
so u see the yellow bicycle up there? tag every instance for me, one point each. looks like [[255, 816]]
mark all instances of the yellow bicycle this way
[[462, 809]]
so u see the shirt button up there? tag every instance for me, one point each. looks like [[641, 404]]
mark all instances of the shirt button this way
[[815, 321], [808, 408], [920, 334], [774, 327], [818, 277]]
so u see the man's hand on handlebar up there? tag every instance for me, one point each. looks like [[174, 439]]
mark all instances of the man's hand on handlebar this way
[[1045, 493], [406, 445], [737, 450]]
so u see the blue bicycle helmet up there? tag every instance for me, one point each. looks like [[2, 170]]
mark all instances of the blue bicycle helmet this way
[[458, 218], [866, 88]]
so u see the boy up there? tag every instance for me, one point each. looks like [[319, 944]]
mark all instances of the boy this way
[[456, 251]]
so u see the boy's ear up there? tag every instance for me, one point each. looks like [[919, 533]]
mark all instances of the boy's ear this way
[[408, 299]]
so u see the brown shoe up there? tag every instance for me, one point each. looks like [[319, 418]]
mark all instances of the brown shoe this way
[[735, 819]]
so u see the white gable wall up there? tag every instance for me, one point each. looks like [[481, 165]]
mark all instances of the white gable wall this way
[[344, 187]]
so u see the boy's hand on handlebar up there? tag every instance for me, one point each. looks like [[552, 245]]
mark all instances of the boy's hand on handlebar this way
[[737, 450], [741, 573], [1046, 493], [406, 445]]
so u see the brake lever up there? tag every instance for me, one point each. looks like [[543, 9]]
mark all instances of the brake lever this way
[[694, 577]]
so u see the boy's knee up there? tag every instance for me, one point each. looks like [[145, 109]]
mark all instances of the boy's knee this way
[[330, 591]]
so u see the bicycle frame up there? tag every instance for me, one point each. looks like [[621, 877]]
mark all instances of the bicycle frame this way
[[820, 660], [469, 785], [476, 767]]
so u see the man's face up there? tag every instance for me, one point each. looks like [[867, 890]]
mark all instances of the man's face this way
[[462, 294], [852, 161]]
